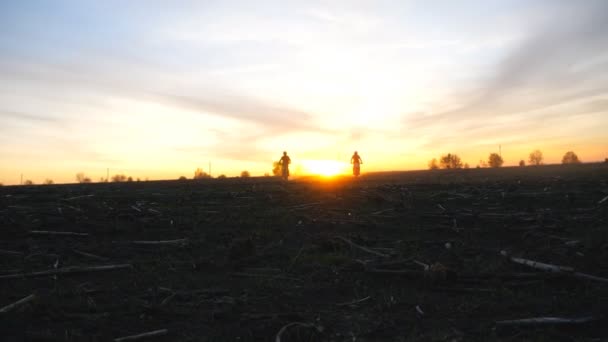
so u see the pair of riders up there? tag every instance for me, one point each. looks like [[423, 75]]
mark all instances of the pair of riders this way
[[285, 161]]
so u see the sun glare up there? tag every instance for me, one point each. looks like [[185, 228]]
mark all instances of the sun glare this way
[[325, 168]]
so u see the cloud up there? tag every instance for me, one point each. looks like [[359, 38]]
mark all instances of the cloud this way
[[20, 116]]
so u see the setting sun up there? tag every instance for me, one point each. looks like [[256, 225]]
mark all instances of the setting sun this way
[[324, 167]]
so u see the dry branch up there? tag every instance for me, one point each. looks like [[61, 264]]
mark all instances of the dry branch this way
[[365, 249], [545, 321], [7, 252], [357, 301], [67, 270], [18, 303], [78, 197], [154, 333], [49, 232], [161, 242], [89, 255]]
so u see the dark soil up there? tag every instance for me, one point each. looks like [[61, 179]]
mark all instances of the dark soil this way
[[346, 258]]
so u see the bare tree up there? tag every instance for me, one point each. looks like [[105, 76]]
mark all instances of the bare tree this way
[[182, 178], [130, 179], [433, 164], [200, 174], [222, 176], [495, 160], [570, 158], [48, 182], [82, 178], [245, 174], [522, 163], [28, 182], [466, 165], [1, 184], [536, 157], [119, 178], [450, 161]]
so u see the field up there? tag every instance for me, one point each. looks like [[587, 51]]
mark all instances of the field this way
[[401, 256]]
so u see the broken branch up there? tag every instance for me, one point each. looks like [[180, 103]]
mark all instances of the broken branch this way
[[66, 270], [154, 333], [18, 303]]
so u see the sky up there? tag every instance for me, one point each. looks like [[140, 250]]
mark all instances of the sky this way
[[154, 89]]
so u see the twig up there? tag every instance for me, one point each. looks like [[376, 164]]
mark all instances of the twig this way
[[254, 275], [602, 200], [89, 255], [365, 249], [78, 197], [67, 270], [554, 268], [154, 333], [545, 321], [161, 242], [49, 232], [7, 252], [293, 324], [301, 206], [18, 303], [357, 301]]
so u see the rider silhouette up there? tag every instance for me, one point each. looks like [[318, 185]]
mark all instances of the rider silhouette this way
[[356, 161], [284, 162]]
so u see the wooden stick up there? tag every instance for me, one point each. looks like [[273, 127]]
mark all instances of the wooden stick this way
[[365, 249], [49, 232], [18, 303], [154, 333], [161, 242], [545, 321], [602, 200], [293, 324], [7, 252], [78, 197], [89, 255], [538, 265], [67, 270], [356, 301]]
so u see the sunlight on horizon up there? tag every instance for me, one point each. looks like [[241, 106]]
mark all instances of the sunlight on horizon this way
[[326, 168]]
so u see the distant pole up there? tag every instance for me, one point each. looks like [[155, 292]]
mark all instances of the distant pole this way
[[107, 175], [210, 168], [21, 179], [500, 150]]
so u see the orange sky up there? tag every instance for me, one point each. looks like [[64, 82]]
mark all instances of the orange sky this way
[[155, 92]]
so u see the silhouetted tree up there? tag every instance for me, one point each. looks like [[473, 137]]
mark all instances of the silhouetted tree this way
[[466, 165], [606, 160], [522, 163], [482, 163], [182, 178], [536, 157], [570, 158], [200, 174], [28, 182], [130, 179], [450, 161], [48, 181], [433, 164], [245, 174], [81, 178], [1, 184], [119, 178], [222, 176], [495, 160], [276, 169]]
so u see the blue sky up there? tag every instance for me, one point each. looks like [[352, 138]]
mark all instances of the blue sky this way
[[157, 88]]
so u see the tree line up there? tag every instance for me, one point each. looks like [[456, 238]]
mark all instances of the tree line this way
[[453, 161]]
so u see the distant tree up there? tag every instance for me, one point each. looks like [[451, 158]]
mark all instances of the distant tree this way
[[522, 163], [130, 179], [450, 161], [482, 163], [1, 184], [245, 174], [570, 158], [138, 180], [28, 182], [433, 164], [266, 174], [276, 169], [606, 160], [222, 176], [182, 178], [495, 160], [200, 174], [536, 157], [48, 181], [119, 178], [82, 178], [466, 165]]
